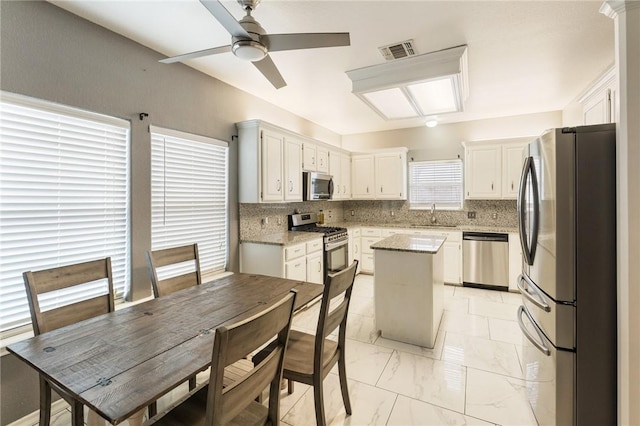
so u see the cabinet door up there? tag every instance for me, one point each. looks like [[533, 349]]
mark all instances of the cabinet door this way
[[315, 272], [362, 177], [322, 159], [452, 262], [512, 160], [309, 157], [272, 145], [345, 175], [296, 269], [386, 176], [292, 170], [483, 178], [335, 170]]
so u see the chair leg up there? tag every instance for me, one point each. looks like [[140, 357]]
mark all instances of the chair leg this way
[[77, 414], [290, 386], [342, 373], [45, 402], [318, 399]]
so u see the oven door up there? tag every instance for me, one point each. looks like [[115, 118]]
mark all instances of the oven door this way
[[336, 256]]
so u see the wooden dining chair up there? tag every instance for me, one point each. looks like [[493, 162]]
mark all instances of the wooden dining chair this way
[[173, 256], [236, 404], [64, 277], [310, 357]]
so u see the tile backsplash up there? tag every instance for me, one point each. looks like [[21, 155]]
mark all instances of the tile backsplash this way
[[498, 213]]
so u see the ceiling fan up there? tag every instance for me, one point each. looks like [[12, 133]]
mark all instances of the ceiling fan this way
[[249, 41]]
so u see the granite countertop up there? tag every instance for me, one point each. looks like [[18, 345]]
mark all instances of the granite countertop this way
[[282, 238], [410, 243], [472, 228]]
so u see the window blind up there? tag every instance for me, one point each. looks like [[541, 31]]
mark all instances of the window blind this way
[[189, 195], [64, 191], [435, 182]]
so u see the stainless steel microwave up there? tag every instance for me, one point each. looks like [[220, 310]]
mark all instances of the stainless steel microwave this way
[[316, 186]]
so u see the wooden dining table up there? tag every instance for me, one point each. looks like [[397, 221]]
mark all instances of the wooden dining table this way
[[118, 363]]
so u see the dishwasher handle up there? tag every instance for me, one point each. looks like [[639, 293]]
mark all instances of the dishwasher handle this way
[[485, 236]]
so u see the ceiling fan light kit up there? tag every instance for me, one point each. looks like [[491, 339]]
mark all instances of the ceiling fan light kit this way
[[250, 42], [417, 86]]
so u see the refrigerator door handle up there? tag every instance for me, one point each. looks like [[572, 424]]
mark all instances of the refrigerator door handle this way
[[536, 298], [528, 170], [538, 344]]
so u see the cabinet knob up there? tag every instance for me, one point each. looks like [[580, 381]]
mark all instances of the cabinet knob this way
[[278, 185], [290, 186]]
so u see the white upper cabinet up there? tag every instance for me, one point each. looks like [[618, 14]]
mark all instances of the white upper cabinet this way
[[322, 159], [512, 162], [492, 170], [362, 177], [292, 169], [345, 175], [310, 156], [270, 161], [391, 176], [335, 170], [483, 172], [381, 176], [599, 101]]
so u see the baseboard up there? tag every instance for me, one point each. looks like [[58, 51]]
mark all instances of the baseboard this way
[[33, 418]]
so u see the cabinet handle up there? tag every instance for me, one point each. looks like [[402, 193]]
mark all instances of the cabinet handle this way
[[512, 185], [367, 189], [492, 186], [344, 189], [290, 186], [380, 188], [319, 266]]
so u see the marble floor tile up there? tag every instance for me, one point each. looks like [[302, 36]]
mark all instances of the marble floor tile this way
[[492, 309], [497, 399], [362, 306], [363, 287], [437, 382], [473, 293], [307, 319], [410, 412], [482, 354], [288, 401], [364, 361], [434, 353], [362, 328], [456, 304], [459, 322], [449, 290], [505, 331], [370, 405], [511, 298]]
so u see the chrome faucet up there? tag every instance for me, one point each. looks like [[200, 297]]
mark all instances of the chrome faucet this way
[[433, 213]]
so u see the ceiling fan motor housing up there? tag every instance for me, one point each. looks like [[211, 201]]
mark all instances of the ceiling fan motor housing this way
[[250, 49]]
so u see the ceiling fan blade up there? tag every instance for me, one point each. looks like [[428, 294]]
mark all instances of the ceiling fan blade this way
[[278, 42], [225, 18], [198, 54], [269, 70]]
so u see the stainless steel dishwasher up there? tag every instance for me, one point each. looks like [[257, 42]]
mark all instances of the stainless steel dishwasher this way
[[485, 258]]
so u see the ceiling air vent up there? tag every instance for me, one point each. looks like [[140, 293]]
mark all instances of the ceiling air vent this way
[[398, 50]]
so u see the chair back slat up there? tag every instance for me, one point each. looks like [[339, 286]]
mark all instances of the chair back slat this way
[[172, 256], [64, 277], [244, 337], [335, 318]]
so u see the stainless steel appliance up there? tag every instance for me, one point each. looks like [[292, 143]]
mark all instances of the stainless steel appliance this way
[[485, 260], [567, 221], [336, 240], [316, 186]]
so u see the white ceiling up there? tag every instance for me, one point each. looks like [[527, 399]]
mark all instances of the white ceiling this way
[[524, 56]]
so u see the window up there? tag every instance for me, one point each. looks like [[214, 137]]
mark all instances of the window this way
[[435, 182], [189, 195], [64, 193]]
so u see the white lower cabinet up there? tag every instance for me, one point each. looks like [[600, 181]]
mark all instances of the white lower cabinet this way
[[452, 250], [355, 253], [368, 237], [515, 260], [303, 261]]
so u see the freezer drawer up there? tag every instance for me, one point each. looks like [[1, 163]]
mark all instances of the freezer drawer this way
[[549, 375], [556, 320]]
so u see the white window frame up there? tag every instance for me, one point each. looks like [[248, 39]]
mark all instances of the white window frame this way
[[177, 220], [55, 163], [448, 187]]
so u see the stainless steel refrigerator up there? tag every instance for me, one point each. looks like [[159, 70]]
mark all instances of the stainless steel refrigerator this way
[[567, 221]]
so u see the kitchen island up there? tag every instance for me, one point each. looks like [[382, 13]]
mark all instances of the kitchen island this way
[[409, 287]]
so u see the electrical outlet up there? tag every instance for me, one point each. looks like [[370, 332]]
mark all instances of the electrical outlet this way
[[471, 215], [264, 221], [494, 215], [353, 213], [393, 214], [279, 221]]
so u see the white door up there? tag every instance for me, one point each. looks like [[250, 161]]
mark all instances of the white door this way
[[388, 176], [315, 272], [272, 144], [293, 170], [483, 178], [362, 177]]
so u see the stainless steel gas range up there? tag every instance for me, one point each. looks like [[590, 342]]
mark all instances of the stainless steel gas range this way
[[336, 240]]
